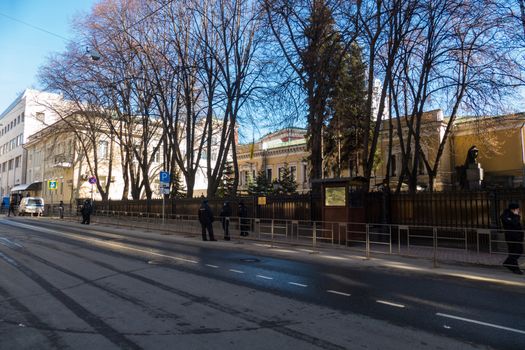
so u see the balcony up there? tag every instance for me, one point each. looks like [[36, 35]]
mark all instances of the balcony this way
[[62, 161]]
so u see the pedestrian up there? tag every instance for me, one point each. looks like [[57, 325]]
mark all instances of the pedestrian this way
[[206, 219], [511, 221], [226, 212], [86, 210], [244, 221], [12, 205], [61, 209]]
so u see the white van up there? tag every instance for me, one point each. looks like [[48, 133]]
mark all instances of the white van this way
[[31, 205]]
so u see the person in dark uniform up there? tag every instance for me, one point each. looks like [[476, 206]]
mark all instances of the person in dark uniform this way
[[243, 215], [86, 210], [206, 219], [12, 205], [61, 209], [511, 221], [226, 212]]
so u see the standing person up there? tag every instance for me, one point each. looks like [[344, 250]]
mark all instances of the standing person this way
[[206, 219], [86, 210], [243, 215], [12, 204], [511, 221], [61, 209], [226, 212]]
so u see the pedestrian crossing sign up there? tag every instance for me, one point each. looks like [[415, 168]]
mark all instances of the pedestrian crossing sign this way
[[52, 185]]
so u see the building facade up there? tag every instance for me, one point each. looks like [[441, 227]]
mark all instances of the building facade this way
[[499, 139], [28, 114], [272, 153]]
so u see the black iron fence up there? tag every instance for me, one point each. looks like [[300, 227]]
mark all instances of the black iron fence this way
[[480, 209], [299, 207]]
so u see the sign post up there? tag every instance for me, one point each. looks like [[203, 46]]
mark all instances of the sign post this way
[[52, 186], [164, 190], [92, 180]]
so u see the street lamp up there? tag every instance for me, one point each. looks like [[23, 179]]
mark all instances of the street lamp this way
[[93, 54]]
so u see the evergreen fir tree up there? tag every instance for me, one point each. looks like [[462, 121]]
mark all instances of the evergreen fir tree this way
[[320, 61], [226, 186], [286, 184], [344, 132], [177, 186], [260, 186]]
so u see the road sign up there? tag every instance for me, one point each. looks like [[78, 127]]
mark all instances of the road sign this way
[[52, 185], [92, 180], [165, 177], [165, 190]]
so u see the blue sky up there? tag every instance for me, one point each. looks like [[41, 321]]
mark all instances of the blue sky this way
[[23, 49]]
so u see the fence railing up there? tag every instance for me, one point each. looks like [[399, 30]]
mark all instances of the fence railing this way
[[470, 245], [478, 209]]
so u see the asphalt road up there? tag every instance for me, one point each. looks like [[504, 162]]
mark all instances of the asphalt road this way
[[82, 287]]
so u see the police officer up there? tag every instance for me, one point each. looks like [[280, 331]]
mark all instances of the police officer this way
[[226, 212], [206, 219], [87, 208], [511, 221], [244, 221]]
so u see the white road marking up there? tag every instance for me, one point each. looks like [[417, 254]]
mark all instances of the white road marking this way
[[214, 266], [339, 293], [236, 271], [298, 284], [9, 243], [481, 323], [390, 303], [265, 277]]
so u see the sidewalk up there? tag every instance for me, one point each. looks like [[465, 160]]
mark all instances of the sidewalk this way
[[335, 255]]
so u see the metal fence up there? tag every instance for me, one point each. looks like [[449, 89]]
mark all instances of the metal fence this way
[[479, 209], [470, 245]]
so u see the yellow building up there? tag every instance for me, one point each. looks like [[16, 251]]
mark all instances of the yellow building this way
[[499, 139], [272, 153]]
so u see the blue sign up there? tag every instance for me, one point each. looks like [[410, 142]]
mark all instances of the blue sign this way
[[164, 177], [92, 180]]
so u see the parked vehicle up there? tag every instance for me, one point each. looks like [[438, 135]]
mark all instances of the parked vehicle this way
[[31, 205], [5, 204]]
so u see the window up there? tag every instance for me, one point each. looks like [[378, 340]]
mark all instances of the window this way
[[10, 164], [17, 162], [4, 166], [393, 165], [41, 117], [103, 149], [421, 167], [269, 174], [18, 119], [293, 172], [157, 157], [22, 115], [281, 170], [305, 173]]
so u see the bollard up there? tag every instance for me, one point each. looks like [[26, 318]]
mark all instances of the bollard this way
[[390, 238], [434, 230], [272, 233], [367, 241]]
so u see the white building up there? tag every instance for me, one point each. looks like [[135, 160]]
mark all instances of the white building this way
[[29, 113]]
